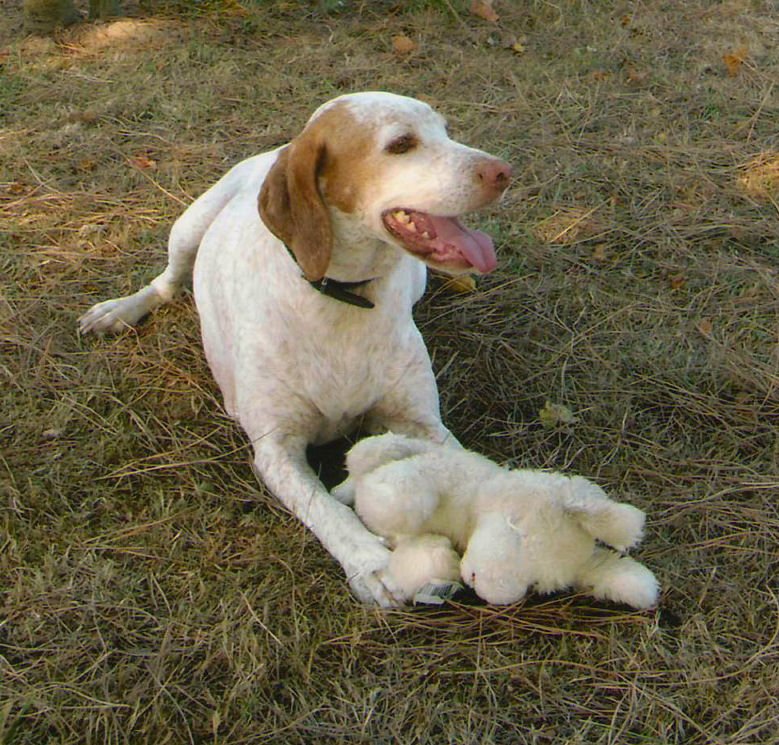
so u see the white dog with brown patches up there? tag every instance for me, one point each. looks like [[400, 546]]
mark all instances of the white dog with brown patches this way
[[307, 262]]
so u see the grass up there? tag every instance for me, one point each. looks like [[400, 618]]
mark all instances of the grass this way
[[152, 590]]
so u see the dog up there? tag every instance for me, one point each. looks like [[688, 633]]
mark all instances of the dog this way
[[306, 262]]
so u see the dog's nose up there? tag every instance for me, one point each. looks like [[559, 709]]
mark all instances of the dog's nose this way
[[494, 174]]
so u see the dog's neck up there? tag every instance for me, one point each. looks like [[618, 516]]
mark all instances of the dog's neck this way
[[358, 254], [361, 266]]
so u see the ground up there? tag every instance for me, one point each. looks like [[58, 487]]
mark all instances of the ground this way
[[152, 591]]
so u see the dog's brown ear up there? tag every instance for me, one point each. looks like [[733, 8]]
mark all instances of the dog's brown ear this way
[[292, 207]]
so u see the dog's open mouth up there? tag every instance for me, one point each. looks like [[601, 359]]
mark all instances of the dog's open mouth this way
[[442, 241]]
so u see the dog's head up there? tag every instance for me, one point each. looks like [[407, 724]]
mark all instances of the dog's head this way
[[385, 167]]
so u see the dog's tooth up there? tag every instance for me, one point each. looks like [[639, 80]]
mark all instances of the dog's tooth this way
[[426, 236], [412, 227], [398, 215], [405, 218]]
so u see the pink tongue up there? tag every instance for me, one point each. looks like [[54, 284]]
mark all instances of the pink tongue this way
[[474, 245]]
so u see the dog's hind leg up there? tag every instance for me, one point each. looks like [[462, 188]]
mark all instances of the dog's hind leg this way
[[185, 236]]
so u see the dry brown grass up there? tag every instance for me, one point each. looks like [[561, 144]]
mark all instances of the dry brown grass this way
[[152, 592]]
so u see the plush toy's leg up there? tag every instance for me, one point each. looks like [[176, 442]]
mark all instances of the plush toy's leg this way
[[396, 499], [345, 491], [425, 568], [616, 524], [609, 576], [371, 453]]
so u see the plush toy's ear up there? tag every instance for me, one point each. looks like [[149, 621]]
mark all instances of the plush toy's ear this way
[[616, 524], [292, 207]]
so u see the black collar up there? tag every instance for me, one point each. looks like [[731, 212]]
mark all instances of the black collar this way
[[338, 290]]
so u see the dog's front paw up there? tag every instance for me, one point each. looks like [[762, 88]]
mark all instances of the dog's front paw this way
[[370, 579], [376, 587]]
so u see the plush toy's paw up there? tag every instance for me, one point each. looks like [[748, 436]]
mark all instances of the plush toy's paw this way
[[626, 581], [626, 527], [425, 566], [616, 524]]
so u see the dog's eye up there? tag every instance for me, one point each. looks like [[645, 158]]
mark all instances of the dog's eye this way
[[401, 145]]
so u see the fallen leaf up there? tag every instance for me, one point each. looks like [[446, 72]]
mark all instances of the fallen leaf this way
[[403, 45], [705, 326], [599, 252], [760, 177], [484, 9], [677, 281], [87, 165], [143, 162], [732, 64], [552, 415], [465, 283], [735, 60], [518, 47]]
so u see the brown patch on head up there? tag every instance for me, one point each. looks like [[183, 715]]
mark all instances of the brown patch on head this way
[[349, 166], [334, 151]]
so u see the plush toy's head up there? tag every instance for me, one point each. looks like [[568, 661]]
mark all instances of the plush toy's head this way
[[553, 545], [493, 564]]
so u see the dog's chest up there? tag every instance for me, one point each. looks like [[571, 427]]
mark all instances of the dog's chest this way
[[345, 372]]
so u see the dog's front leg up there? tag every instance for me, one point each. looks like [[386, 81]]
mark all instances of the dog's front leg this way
[[281, 464], [410, 405]]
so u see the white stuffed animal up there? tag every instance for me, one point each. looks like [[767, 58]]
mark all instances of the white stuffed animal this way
[[519, 530]]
